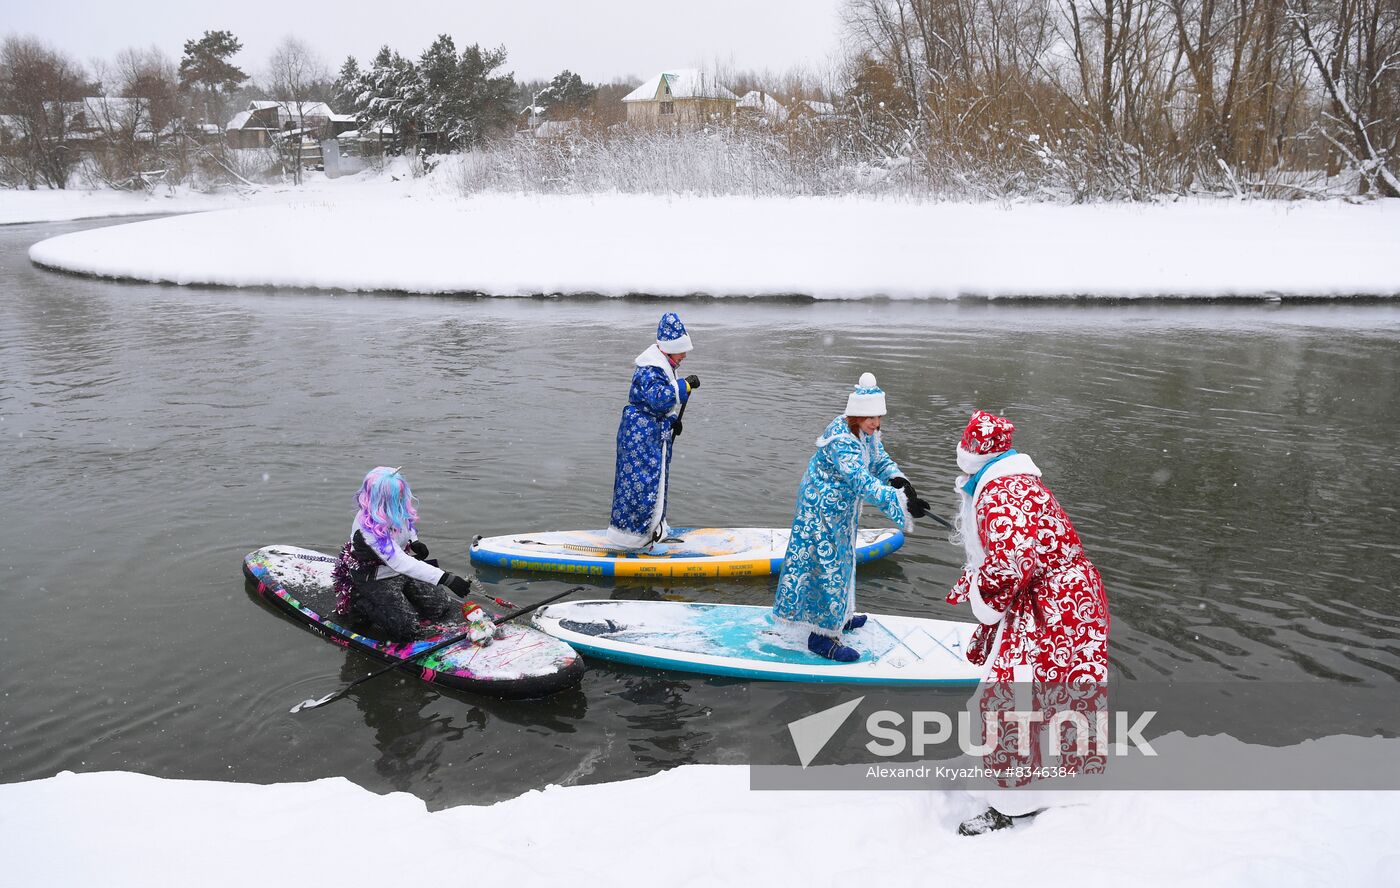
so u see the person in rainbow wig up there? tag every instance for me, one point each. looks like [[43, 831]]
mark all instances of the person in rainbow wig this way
[[384, 576]]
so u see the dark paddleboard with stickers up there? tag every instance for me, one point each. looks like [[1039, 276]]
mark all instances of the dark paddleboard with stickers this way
[[520, 662]]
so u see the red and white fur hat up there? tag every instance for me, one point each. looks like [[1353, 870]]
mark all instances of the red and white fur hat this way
[[986, 433]]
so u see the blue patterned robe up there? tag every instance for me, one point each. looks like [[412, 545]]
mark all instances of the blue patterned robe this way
[[644, 451], [817, 587]]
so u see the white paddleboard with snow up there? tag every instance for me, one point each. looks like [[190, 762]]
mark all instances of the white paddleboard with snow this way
[[689, 552], [742, 641]]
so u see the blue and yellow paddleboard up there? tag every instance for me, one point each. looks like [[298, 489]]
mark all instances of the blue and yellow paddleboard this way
[[690, 552]]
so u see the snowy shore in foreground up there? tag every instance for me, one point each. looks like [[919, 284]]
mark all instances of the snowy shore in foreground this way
[[513, 245], [695, 825]]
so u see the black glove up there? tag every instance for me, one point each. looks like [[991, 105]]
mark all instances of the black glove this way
[[675, 430], [693, 381], [917, 508], [418, 550], [899, 482], [460, 586]]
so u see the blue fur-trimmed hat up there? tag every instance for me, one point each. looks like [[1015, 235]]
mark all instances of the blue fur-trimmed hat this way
[[671, 336]]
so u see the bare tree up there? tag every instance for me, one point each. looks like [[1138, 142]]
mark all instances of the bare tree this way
[[137, 115], [297, 77], [1354, 46], [35, 83]]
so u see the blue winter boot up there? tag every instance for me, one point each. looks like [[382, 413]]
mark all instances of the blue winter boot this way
[[855, 622], [826, 646]]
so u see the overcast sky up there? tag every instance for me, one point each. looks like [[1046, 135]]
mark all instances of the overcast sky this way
[[600, 40]]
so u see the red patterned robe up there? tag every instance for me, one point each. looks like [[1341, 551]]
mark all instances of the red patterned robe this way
[[1053, 614], [1044, 634]]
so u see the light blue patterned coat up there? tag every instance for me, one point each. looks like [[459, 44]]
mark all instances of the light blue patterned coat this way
[[644, 450], [817, 586]]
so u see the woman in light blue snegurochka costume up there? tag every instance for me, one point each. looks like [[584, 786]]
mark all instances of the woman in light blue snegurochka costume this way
[[817, 588], [650, 424]]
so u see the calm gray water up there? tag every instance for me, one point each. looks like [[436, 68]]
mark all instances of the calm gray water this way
[[1230, 468]]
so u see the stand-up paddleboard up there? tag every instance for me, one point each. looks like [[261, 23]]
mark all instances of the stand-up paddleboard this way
[[520, 662], [743, 642], [688, 552]]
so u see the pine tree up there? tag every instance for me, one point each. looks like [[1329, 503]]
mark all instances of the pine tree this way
[[346, 89], [566, 97], [456, 96], [206, 65], [379, 102], [488, 108], [206, 62]]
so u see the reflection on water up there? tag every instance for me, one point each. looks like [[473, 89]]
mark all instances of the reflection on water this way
[[1229, 467]]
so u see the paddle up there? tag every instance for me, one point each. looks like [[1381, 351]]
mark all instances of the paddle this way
[[940, 520], [679, 417], [446, 643]]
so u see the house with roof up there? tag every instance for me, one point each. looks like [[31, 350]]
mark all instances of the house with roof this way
[[98, 118], [265, 118], [812, 110], [682, 97], [529, 117], [758, 105]]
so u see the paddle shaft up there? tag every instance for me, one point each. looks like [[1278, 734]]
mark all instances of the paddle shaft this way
[[679, 417], [940, 520], [456, 639]]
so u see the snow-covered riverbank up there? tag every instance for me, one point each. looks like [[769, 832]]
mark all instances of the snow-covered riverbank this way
[[24, 207], [51, 205], [695, 825], [510, 245]]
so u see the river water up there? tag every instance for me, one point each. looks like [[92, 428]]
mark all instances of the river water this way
[[1230, 467]]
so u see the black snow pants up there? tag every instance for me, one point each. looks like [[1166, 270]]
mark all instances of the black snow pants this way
[[395, 604]]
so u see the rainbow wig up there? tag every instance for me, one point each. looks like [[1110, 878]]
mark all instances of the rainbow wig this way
[[386, 505]]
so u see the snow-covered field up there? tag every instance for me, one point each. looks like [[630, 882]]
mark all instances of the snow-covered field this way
[[420, 237], [695, 825]]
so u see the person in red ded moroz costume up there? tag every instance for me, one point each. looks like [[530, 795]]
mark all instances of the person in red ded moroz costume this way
[[1038, 598]]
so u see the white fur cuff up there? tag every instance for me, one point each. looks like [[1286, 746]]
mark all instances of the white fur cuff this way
[[904, 506]]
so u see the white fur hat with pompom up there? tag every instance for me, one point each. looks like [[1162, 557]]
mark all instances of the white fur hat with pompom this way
[[867, 400]]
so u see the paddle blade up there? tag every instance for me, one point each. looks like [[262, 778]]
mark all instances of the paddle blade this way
[[312, 704]]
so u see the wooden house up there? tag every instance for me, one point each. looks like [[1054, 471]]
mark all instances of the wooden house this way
[[684, 97], [814, 111], [757, 105], [264, 119]]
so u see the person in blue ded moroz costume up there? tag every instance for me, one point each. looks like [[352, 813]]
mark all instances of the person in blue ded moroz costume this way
[[650, 424], [817, 588]]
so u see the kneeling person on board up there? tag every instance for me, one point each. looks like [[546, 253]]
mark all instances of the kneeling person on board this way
[[650, 425], [383, 575], [817, 588]]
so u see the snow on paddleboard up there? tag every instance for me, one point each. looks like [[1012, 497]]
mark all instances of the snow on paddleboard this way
[[520, 662], [689, 552], [743, 642]]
